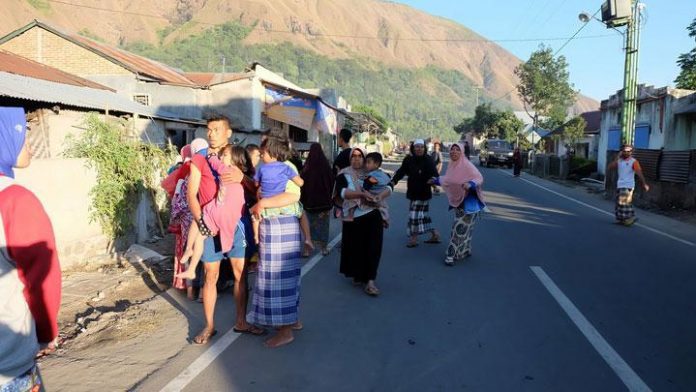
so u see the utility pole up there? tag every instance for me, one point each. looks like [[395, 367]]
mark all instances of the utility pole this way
[[630, 89]]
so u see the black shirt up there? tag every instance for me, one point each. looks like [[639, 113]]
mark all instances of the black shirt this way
[[342, 160], [419, 170]]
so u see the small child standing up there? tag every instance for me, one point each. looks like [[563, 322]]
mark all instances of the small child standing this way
[[220, 215], [272, 177]]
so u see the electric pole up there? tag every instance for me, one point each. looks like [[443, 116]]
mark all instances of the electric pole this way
[[630, 89]]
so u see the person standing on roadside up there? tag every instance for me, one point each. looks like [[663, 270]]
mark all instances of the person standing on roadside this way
[[342, 161], [421, 173], [516, 162], [202, 189], [436, 156], [628, 168], [467, 150], [30, 276]]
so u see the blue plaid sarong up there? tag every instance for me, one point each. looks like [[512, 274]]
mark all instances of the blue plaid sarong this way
[[276, 295]]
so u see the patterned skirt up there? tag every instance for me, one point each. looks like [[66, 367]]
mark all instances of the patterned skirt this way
[[624, 204], [460, 240], [319, 225], [419, 221], [276, 295]]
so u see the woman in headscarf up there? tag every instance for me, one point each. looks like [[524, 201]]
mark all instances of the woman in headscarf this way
[[30, 277], [421, 172], [462, 185], [316, 195], [361, 248]]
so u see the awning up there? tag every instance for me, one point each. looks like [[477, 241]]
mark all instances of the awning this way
[[300, 109]]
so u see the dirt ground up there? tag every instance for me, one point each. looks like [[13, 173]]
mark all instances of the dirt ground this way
[[113, 321]]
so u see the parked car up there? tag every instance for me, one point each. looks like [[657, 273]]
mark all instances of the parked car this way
[[495, 152]]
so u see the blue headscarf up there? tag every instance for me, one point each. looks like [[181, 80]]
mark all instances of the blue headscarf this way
[[13, 131]]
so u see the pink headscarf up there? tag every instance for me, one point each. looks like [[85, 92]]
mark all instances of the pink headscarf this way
[[458, 173], [185, 153]]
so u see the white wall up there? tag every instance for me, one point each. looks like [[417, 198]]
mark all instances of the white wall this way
[[63, 186]]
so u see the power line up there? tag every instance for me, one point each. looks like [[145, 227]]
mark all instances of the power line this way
[[415, 39], [555, 53]]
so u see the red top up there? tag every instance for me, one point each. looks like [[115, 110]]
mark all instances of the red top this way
[[32, 246], [208, 187]]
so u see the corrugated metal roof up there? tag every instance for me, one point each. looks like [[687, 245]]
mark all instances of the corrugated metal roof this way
[[12, 63], [137, 64], [23, 87]]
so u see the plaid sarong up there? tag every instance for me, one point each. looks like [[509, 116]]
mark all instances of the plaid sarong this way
[[419, 221], [276, 295], [624, 204]]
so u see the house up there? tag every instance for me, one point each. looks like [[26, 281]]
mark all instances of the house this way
[[664, 141], [134, 77], [664, 120], [56, 103], [587, 146], [259, 99]]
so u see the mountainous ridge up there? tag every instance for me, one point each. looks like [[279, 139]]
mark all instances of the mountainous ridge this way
[[387, 33]]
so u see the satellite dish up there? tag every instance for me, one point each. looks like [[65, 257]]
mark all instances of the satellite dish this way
[[584, 17]]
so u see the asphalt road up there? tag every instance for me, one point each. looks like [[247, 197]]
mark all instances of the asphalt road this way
[[555, 297]]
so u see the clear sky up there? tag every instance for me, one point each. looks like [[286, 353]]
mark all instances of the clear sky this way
[[595, 64]]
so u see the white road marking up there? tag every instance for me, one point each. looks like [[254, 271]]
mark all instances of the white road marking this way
[[642, 226], [221, 344], [632, 381]]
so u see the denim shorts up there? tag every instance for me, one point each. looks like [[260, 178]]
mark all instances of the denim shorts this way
[[212, 248]]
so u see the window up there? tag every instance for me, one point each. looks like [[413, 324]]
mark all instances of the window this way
[[298, 134], [641, 139], [143, 99]]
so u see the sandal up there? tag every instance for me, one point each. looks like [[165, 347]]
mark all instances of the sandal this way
[[412, 244], [204, 336], [251, 330], [372, 291], [433, 240]]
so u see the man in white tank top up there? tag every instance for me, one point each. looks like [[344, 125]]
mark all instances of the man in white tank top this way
[[628, 168]]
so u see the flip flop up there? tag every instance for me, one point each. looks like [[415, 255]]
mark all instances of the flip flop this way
[[371, 291], [433, 241], [412, 244], [204, 336], [252, 330]]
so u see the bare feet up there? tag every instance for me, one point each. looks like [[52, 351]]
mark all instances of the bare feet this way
[[283, 337], [205, 336], [188, 274]]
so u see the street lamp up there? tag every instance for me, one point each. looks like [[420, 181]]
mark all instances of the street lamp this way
[[617, 13]]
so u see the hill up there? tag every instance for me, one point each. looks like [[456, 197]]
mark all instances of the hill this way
[[418, 69]]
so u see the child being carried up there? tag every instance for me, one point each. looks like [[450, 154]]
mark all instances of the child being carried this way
[[375, 187]]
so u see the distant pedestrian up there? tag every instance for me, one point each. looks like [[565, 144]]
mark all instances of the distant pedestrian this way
[[316, 195], [462, 184], [30, 277], [467, 150], [343, 159], [436, 156], [516, 162], [362, 238], [421, 172], [628, 168]]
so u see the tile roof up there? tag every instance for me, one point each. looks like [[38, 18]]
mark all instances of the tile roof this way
[[134, 63], [212, 78], [593, 120], [14, 64]]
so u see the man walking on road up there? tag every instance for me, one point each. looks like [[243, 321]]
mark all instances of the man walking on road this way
[[628, 168]]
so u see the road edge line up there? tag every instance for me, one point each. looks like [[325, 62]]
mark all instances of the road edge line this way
[[208, 356], [629, 377]]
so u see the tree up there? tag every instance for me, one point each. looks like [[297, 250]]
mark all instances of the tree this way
[[491, 123], [544, 87], [687, 63], [574, 130]]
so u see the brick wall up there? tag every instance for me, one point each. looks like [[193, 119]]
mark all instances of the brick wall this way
[[50, 49]]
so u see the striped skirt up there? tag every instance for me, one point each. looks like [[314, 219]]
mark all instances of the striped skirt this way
[[419, 221], [624, 205], [276, 295]]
